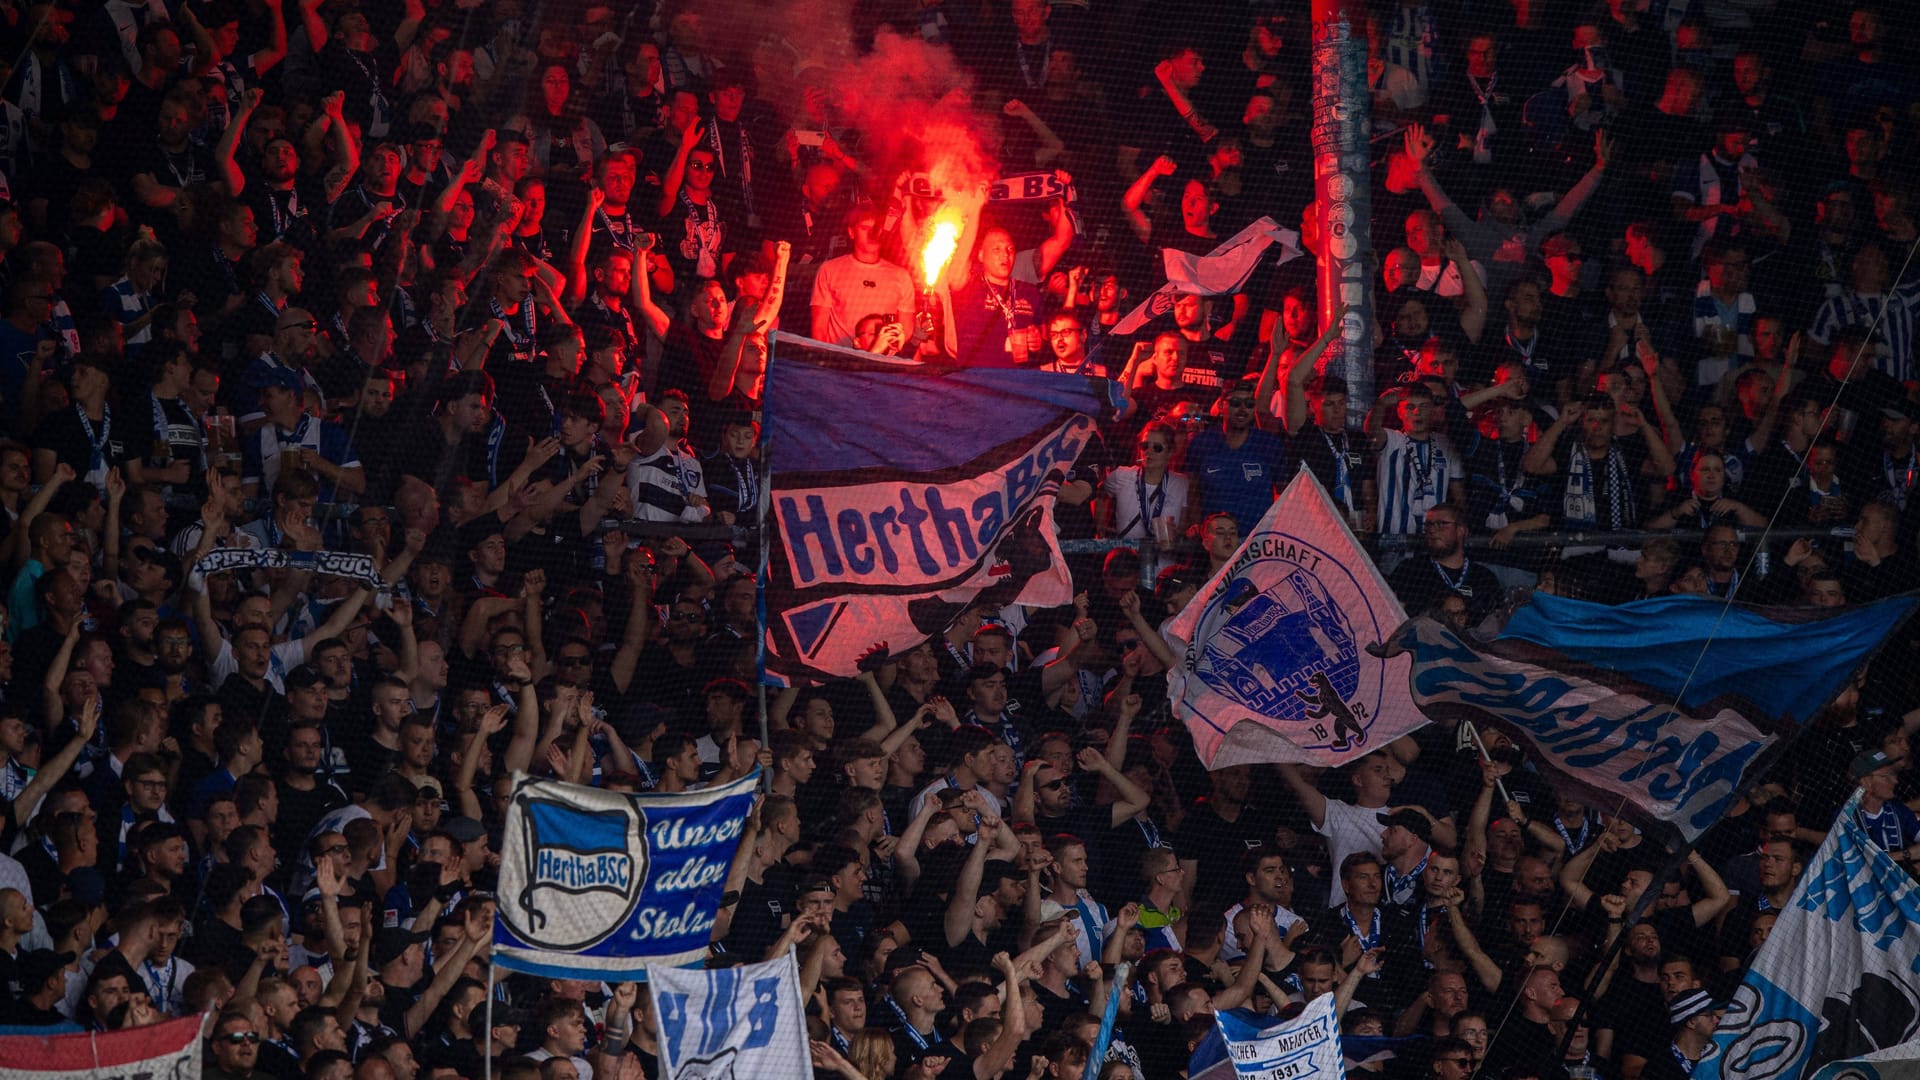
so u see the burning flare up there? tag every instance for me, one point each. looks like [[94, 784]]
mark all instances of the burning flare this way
[[943, 239]]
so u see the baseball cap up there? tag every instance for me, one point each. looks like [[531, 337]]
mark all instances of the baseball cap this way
[[1411, 820], [389, 942], [464, 829], [37, 966], [1870, 761], [426, 783]]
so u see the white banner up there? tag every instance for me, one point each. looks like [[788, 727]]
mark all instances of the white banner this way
[[1839, 976], [169, 1051], [1274, 664], [745, 1022], [1223, 270], [1306, 1047]]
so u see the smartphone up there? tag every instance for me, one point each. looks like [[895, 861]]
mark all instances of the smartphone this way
[[810, 137], [890, 318]]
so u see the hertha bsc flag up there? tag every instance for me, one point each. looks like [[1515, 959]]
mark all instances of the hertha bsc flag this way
[[1273, 650], [744, 1021], [903, 496], [599, 884]]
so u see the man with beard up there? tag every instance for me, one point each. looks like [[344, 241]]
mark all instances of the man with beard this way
[[1446, 571], [296, 348]]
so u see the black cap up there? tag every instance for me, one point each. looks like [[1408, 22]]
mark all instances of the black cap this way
[[389, 942], [37, 966], [1411, 820], [463, 829], [304, 677]]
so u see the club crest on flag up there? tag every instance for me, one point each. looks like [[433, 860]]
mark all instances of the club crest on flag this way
[[1287, 653], [1274, 661], [589, 862]]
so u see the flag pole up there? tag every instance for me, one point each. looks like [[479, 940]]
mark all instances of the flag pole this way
[[760, 508], [488, 1066], [1480, 744]]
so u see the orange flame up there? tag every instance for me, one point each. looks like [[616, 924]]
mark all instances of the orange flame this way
[[943, 240]]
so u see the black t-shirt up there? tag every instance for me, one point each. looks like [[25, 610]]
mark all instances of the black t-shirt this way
[[1421, 583], [987, 316], [1324, 452], [65, 433]]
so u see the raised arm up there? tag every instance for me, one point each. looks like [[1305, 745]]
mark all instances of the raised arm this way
[[1134, 202], [230, 174], [54, 769], [959, 916], [1310, 798], [1539, 459]]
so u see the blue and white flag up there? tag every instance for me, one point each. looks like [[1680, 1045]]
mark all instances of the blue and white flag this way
[[1839, 976], [1274, 658], [1609, 741], [1247, 1046], [1782, 663], [598, 884], [744, 1021], [903, 496], [1225, 269]]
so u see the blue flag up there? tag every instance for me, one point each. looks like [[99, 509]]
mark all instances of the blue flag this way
[[1786, 663], [1602, 738], [902, 495], [598, 884], [1836, 977]]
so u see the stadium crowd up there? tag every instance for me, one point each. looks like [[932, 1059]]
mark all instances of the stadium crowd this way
[[377, 376]]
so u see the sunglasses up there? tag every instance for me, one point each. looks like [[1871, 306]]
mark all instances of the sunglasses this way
[[1053, 785], [238, 1037], [700, 166], [1154, 447]]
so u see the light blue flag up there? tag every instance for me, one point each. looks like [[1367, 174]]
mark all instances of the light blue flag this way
[[1786, 662], [1839, 976]]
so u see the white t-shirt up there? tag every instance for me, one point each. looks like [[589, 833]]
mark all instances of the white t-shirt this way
[[1348, 828], [1125, 488], [851, 290]]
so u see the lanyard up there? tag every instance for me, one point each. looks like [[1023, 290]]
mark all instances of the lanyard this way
[[1686, 1063], [1461, 587], [1342, 481], [1046, 62], [97, 462], [1149, 830], [621, 234], [747, 482], [1151, 506], [1900, 482], [1419, 462]]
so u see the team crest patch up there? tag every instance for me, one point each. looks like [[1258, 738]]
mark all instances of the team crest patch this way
[[581, 877]]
